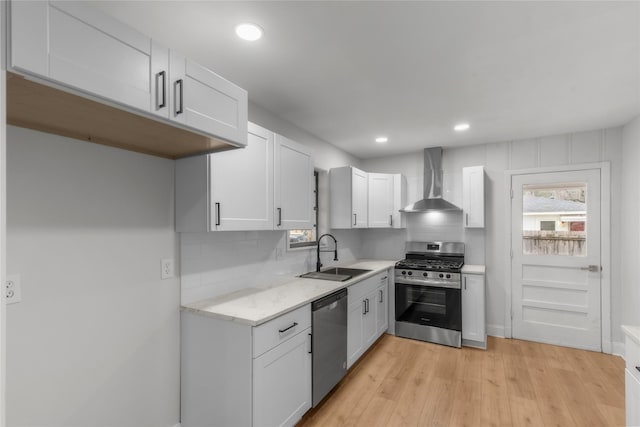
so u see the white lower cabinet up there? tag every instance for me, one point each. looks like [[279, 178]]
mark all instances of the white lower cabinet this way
[[473, 311], [367, 317], [282, 383], [234, 374], [632, 398]]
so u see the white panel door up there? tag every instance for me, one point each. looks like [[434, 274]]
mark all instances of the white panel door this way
[[282, 383], [359, 194], [293, 186], [355, 343], [242, 184], [380, 200], [382, 308], [94, 53], [207, 102], [473, 307], [556, 266]]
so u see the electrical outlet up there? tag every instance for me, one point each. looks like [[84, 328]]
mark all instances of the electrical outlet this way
[[13, 289], [166, 268]]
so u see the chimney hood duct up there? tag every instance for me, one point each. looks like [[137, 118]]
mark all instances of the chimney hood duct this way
[[432, 200]]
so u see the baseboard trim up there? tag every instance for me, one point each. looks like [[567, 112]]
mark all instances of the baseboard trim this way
[[618, 349], [495, 331]]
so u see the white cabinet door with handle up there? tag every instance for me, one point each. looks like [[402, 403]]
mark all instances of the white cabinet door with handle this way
[[473, 311], [473, 196], [381, 200]]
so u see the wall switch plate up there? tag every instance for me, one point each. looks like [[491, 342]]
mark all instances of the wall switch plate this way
[[166, 268], [13, 290]]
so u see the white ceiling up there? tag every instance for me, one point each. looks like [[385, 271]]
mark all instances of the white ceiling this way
[[349, 71]]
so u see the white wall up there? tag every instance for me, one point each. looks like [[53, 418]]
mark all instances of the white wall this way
[[630, 289], [95, 340], [488, 246], [218, 263]]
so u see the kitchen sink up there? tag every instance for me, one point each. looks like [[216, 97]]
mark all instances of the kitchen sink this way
[[337, 274]]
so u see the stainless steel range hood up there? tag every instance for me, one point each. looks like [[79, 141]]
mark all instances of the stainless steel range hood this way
[[432, 200]]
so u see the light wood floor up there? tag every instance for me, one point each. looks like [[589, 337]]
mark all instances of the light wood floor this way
[[402, 382]]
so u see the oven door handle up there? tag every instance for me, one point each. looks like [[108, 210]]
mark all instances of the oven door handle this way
[[428, 284]]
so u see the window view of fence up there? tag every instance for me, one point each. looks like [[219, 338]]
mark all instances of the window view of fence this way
[[554, 220]]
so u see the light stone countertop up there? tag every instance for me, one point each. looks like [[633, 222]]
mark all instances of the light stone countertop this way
[[473, 269], [632, 332], [254, 306]]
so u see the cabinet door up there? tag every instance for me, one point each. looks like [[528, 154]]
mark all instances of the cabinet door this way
[[293, 185], [74, 44], [369, 330], [241, 184], [382, 308], [473, 308], [632, 398], [204, 101], [381, 200], [282, 382], [355, 343], [473, 196], [359, 189]]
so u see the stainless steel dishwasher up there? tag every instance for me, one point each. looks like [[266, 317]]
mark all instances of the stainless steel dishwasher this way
[[328, 343]]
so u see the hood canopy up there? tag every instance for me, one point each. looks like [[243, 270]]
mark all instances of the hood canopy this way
[[432, 183]]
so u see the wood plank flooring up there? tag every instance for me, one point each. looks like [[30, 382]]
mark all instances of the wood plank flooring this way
[[402, 382]]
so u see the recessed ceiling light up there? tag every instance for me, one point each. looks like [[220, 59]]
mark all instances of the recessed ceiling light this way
[[461, 127], [249, 32], [382, 139]]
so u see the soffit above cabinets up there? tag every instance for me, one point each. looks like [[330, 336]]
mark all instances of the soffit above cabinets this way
[[36, 106]]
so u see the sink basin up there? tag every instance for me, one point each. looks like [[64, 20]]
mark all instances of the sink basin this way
[[337, 274], [353, 272]]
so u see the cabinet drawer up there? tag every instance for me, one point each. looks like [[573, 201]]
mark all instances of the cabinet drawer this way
[[359, 290], [632, 356], [280, 329]]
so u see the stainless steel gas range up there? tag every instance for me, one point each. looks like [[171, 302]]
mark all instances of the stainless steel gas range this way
[[428, 288]]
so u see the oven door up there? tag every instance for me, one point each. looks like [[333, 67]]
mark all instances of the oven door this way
[[428, 305]]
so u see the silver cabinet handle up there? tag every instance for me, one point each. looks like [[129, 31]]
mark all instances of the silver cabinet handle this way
[[355, 219], [466, 219], [217, 213], [178, 101], [391, 220], [364, 307], [367, 305], [591, 268], [279, 217], [381, 295], [163, 75], [310, 344], [465, 283], [282, 331]]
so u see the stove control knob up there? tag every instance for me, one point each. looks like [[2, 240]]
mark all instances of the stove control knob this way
[[441, 275], [448, 276], [410, 273], [425, 274], [404, 272]]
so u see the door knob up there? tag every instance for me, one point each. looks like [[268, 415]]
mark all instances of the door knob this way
[[591, 268]]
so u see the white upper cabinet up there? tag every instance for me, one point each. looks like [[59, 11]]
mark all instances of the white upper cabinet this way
[[349, 197], [293, 186], [380, 200], [387, 195], [231, 190], [473, 196], [205, 101], [72, 44]]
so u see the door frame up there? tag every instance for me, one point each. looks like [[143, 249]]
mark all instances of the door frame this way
[[605, 244]]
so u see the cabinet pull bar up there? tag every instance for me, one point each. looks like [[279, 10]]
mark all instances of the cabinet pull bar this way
[[638, 368], [364, 307], [310, 344], [355, 219], [465, 283], [367, 305], [279, 217], [282, 331], [391, 220], [466, 218], [178, 99], [162, 104], [217, 213], [381, 295]]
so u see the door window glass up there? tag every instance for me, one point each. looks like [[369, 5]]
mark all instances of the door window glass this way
[[554, 219]]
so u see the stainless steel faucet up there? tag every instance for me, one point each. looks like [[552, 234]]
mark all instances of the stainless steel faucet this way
[[335, 250]]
